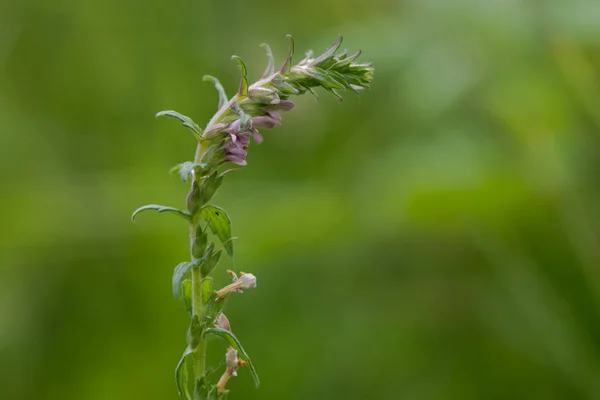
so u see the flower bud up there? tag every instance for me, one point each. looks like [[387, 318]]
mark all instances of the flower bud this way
[[222, 322]]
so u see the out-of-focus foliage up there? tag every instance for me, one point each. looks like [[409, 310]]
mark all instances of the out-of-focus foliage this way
[[438, 238]]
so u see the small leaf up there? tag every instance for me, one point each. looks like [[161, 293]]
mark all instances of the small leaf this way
[[219, 224], [270, 70], [222, 95], [287, 65], [215, 304], [180, 272], [344, 62], [235, 343], [185, 121], [160, 209], [206, 284], [181, 376], [328, 53], [199, 243], [209, 187], [210, 263], [325, 79], [185, 292], [243, 90], [204, 391]]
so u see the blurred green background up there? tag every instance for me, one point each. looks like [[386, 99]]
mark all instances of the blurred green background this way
[[436, 238]]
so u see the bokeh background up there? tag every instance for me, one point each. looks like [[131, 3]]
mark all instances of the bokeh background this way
[[436, 238]]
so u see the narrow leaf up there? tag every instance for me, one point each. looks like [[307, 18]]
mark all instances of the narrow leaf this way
[[344, 62], [185, 292], [325, 79], [181, 376], [219, 224], [160, 209], [206, 284], [185, 121], [270, 70], [210, 263], [222, 95], [243, 90], [287, 65], [209, 187], [328, 53], [235, 343]]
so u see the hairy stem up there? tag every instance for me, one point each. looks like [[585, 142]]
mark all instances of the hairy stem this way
[[200, 350]]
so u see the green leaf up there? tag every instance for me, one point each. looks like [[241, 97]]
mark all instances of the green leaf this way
[[180, 272], [160, 209], [210, 263], [328, 54], [215, 304], [222, 95], [185, 121], [325, 79], [209, 187], [219, 224], [243, 90], [185, 292], [199, 243], [181, 376], [206, 284], [235, 343], [204, 391]]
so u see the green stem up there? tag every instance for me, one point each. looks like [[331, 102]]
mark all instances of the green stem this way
[[200, 350]]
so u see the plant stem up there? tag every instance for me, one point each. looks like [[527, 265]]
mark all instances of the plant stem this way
[[200, 350]]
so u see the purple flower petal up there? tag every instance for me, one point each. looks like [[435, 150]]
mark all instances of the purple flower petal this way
[[257, 136], [283, 105]]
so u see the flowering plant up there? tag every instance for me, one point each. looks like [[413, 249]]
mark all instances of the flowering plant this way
[[225, 139]]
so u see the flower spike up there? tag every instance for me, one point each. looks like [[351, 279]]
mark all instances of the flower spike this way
[[226, 139]]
